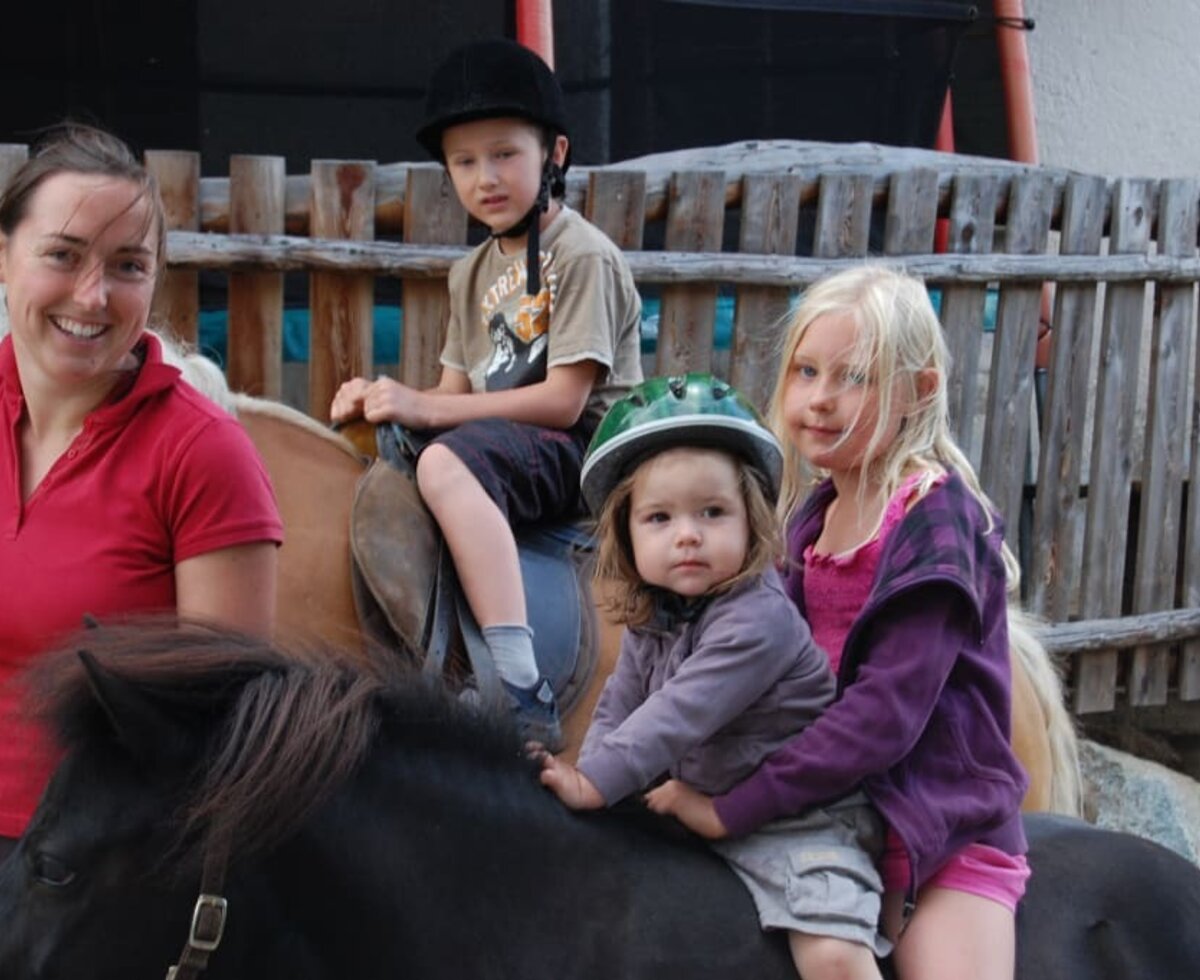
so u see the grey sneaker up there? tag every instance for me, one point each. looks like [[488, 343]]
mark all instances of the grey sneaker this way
[[537, 714]]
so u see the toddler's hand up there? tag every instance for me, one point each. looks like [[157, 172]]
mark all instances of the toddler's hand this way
[[690, 807], [569, 784]]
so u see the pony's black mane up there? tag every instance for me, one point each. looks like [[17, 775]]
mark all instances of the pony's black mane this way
[[275, 731]]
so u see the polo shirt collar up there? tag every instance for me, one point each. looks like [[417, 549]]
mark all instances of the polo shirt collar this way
[[153, 377]]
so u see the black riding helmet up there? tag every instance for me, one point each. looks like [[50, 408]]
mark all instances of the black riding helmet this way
[[492, 79]]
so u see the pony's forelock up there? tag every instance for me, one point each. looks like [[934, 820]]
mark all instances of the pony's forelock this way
[[283, 729]]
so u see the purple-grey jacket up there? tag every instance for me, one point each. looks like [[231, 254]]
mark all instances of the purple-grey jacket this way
[[706, 698], [922, 721]]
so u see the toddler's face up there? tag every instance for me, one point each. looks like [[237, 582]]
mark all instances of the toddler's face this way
[[687, 520], [496, 168]]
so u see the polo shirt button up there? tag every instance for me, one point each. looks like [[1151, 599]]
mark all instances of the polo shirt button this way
[[72, 453]]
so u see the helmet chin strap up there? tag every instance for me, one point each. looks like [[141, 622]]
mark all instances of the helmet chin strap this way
[[531, 225]]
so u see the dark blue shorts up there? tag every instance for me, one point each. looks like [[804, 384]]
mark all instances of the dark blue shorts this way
[[531, 472]]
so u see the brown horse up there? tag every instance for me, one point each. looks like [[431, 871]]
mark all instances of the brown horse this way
[[316, 471]]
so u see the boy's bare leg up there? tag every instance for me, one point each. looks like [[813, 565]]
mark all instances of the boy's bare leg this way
[[478, 535]]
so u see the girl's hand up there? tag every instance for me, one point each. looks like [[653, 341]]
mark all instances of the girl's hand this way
[[690, 807], [569, 784]]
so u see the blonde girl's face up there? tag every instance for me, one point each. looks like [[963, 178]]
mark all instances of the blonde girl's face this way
[[830, 405], [687, 520]]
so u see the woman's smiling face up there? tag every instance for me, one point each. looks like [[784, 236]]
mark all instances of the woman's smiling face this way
[[80, 271]]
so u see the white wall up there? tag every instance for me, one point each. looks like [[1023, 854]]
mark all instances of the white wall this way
[[1116, 85]]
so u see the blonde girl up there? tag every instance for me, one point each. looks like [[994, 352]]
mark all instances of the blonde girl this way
[[897, 559], [717, 668]]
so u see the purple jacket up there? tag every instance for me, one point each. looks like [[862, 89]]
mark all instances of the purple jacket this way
[[923, 717]]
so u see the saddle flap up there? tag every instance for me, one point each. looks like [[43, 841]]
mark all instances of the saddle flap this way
[[395, 543]]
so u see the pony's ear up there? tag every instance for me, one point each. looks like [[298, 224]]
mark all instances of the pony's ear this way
[[141, 726]]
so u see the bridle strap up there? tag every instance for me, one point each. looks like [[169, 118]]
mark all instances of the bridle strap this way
[[208, 914]]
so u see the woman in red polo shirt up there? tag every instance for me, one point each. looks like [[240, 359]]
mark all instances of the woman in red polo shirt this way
[[122, 490]]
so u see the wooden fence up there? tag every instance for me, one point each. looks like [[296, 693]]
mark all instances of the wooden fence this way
[[1094, 465]]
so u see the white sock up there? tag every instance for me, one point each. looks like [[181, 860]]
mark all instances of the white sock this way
[[511, 646]]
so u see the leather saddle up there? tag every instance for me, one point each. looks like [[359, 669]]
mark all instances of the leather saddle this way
[[407, 593]]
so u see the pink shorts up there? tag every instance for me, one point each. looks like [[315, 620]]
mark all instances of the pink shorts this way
[[977, 870]]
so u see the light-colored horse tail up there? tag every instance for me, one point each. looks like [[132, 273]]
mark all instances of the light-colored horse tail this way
[[1066, 783]]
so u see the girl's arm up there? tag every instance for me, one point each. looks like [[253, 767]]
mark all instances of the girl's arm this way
[[876, 722], [231, 586], [555, 403]]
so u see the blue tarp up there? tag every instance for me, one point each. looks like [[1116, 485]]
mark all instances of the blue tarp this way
[[388, 326]]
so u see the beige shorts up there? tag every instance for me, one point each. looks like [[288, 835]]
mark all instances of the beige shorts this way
[[816, 874]]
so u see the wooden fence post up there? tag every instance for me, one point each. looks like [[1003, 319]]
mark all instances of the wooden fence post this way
[[341, 305], [432, 216], [695, 222], [178, 301], [256, 205]]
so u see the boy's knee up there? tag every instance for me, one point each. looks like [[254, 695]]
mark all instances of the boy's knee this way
[[828, 958], [438, 469]]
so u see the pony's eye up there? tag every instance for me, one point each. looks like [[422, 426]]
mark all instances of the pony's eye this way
[[52, 871]]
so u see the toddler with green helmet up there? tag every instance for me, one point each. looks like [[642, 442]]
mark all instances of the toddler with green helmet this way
[[717, 667], [544, 334]]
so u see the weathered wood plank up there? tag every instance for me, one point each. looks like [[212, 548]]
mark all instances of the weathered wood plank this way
[[424, 261], [256, 205], [1002, 470], [770, 215], [433, 215], [1054, 574], [911, 213], [1111, 462], [1097, 636], [970, 231], [341, 305], [178, 301], [1159, 522], [616, 204], [12, 156], [695, 222], [843, 216]]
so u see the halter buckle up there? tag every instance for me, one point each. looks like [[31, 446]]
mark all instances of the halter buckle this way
[[210, 911]]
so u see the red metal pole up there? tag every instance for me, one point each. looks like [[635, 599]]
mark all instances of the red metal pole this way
[[944, 142], [1016, 79], [535, 27]]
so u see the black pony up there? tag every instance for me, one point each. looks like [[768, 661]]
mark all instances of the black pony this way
[[362, 824]]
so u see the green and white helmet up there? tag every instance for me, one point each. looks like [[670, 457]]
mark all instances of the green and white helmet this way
[[682, 410]]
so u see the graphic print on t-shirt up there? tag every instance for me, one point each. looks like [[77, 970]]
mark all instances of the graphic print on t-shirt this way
[[518, 326]]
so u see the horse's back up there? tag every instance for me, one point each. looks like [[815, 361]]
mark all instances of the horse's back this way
[[314, 475], [1105, 904]]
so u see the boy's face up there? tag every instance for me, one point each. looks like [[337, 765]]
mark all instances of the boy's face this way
[[496, 168]]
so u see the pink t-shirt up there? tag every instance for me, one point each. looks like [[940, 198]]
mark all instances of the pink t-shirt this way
[[155, 477], [836, 586]]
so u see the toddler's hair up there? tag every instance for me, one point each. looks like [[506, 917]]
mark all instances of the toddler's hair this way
[[899, 336], [629, 600]]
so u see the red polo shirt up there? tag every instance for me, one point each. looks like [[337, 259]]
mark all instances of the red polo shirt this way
[[158, 476]]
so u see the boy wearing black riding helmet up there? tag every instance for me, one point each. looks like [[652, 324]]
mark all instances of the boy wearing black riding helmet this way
[[544, 335]]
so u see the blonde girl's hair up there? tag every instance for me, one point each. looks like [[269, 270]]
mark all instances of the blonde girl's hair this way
[[628, 599], [899, 337]]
